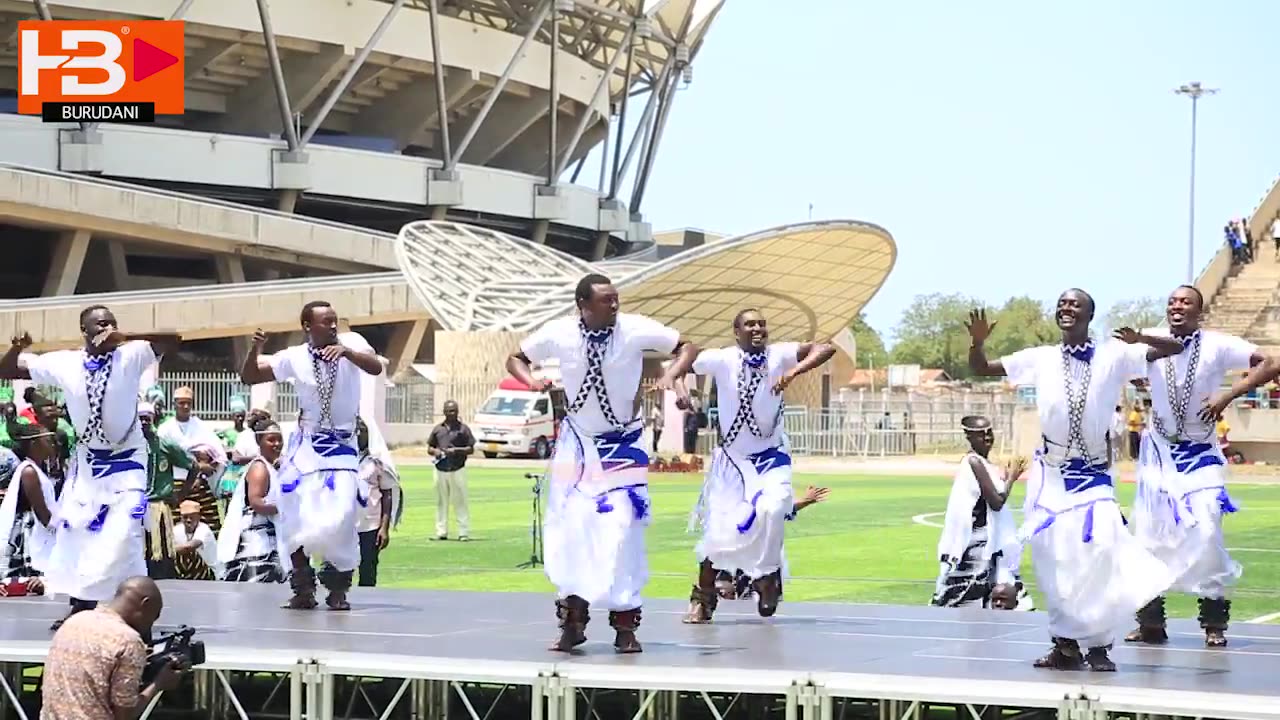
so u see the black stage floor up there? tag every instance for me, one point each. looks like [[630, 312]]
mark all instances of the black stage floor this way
[[464, 629]]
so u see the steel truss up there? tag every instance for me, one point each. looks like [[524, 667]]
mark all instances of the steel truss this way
[[657, 40]]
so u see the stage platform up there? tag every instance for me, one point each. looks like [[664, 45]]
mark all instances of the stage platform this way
[[444, 654]]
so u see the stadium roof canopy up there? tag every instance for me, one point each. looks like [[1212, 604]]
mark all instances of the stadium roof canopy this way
[[810, 279]]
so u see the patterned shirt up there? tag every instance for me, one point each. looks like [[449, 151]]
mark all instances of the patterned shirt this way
[[94, 664], [163, 455]]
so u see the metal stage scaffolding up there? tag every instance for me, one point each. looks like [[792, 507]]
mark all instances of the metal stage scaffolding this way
[[429, 655]]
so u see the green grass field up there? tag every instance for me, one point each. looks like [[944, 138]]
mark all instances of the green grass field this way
[[859, 546]]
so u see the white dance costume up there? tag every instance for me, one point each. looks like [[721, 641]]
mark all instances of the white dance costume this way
[[598, 495], [320, 498], [1182, 473], [970, 549], [99, 526], [1093, 573], [747, 496]]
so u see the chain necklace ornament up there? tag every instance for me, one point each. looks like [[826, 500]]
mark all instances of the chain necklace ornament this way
[[326, 372], [1077, 394], [750, 377], [97, 373], [1180, 397], [597, 345]]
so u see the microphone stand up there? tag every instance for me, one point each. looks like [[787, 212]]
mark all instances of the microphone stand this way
[[535, 522]]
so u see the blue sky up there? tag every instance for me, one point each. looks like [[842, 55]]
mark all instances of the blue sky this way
[[988, 138]]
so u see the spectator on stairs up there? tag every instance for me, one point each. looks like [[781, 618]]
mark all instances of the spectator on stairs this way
[[1275, 234]]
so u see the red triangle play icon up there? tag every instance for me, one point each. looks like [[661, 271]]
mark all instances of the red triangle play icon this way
[[149, 60]]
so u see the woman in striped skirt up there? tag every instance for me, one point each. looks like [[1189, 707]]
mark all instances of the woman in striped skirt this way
[[249, 544], [27, 509]]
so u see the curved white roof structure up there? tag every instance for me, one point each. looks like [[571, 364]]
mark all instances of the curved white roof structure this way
[[810, 279]]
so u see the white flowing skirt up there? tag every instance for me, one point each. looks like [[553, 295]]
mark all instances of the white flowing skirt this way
[[320, 498], [743, 511], [99, 538], [1093, 573], [1182, 497], [597, 512]]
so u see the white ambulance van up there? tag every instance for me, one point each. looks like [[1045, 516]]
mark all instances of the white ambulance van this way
[[517, 420]]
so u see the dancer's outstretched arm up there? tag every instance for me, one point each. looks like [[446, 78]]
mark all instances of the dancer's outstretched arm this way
[[979, 330], [809, 356]]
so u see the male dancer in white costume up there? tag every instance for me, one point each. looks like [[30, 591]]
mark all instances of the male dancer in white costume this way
[[747, 496], [1182, 474], [320, 497], [99, 527], [1092, 571], [598, 497]]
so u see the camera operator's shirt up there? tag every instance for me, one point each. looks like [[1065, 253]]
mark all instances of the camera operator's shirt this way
[[94, 665]]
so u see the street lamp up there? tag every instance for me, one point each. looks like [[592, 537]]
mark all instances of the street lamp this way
[[1194, 91]]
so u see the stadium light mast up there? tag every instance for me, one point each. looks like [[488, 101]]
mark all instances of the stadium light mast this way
[[1194, 91]]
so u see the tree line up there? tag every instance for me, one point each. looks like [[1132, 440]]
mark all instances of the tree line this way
[[931, 331]]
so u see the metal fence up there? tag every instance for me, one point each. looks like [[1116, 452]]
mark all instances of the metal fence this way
[[887, 425], [406, 402], [857, 424]]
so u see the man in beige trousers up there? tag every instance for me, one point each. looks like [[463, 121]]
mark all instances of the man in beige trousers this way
[[450, 443]]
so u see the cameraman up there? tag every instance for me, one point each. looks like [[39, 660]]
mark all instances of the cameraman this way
[[94, 668]]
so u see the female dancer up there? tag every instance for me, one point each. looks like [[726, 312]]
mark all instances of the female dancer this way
[[27, 509], [249, 544], [978, 523]]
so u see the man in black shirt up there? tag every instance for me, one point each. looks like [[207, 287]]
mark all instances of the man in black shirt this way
[[450, 443]]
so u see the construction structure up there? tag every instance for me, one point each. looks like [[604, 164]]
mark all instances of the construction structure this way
[[313, 131]]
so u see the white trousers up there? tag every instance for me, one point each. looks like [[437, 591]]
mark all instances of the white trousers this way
[[100, 538], [746, 502], [451, 491], [1093, 573], [1178, 512], [597, 514], [320, 502]]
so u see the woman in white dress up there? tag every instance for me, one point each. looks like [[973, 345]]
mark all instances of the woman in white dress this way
[[978, 523], [249, 545], [28, 506]]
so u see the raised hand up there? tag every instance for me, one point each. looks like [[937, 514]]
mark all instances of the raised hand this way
[[816, 495], [1127, 335], [1214, 407], [1014, 469], [332, 353], [978, 327], [108, 339], [22, 341], [259, 339], [783, 382]]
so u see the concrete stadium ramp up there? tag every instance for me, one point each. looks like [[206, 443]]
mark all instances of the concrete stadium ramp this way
[[46, 198], [216, 311]]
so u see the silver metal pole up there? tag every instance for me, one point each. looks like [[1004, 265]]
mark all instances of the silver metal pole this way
[[601, 88], [534, 25], [622, 125], [442, 102], [1191, 202], [182, 9], [1195, 91], [277, 74], [554, 125], [352, 69]]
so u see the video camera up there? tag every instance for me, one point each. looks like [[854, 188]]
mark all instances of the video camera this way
[[177, 645]]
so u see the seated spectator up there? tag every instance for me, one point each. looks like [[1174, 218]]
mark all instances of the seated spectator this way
[[95, 663], [195, 545]]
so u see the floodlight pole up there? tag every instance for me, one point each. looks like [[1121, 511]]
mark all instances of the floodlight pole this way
[[1194, 91]]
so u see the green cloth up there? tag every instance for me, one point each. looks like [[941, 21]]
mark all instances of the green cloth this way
[[163, 455]]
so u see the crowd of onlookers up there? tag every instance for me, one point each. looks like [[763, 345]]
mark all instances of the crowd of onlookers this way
[[1243, 243]]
